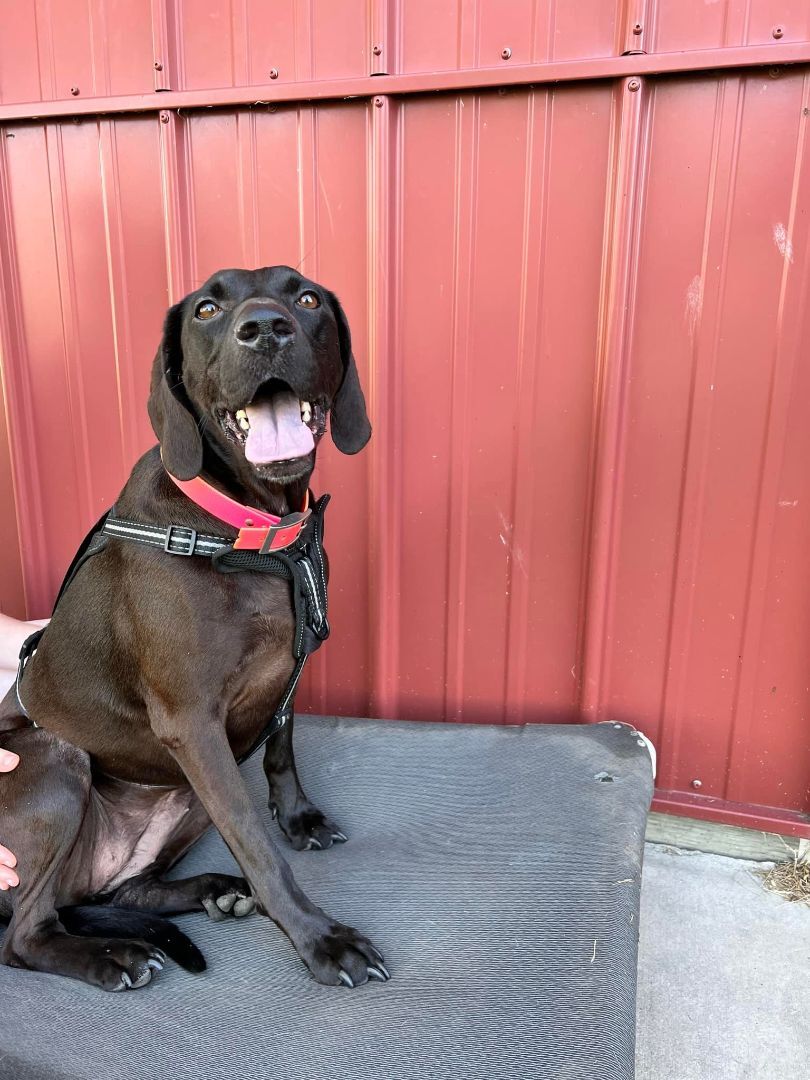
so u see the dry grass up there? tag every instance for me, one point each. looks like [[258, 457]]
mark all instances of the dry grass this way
[[791, 880]]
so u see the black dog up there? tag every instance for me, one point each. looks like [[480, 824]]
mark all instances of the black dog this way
[[157, 670]]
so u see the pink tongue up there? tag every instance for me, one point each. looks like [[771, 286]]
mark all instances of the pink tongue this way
[[276, 430]]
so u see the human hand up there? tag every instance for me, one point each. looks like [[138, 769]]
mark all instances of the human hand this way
[[8, 876], [13, 633]]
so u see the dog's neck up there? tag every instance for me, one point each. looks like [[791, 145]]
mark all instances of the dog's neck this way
[[242, 484]]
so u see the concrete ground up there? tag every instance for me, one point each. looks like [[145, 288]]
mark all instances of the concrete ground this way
[[724, 973]]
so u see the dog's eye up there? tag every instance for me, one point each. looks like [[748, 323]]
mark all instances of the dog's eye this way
[[308, 300], [207, 309]]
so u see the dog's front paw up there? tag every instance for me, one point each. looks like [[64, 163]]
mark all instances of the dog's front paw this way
[[306, 828], [337, 955]]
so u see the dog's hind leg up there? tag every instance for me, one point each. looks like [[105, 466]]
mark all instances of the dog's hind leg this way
[[43, 804], [306, 828], [219, 895]]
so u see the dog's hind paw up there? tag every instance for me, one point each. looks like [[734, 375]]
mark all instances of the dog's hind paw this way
[[154, 963], [223, 896], [236, 904], [126, 965]]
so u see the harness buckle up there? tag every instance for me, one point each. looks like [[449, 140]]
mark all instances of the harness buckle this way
[[172, 538]]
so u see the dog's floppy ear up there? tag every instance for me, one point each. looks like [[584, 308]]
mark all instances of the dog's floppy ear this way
[[351, 429], [170, 410]]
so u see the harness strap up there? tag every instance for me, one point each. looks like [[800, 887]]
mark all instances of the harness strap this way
[[304, 566], [29, 647], [176, 539]]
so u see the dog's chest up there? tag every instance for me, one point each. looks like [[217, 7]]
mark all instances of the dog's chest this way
[[259, 661], [256, 687]]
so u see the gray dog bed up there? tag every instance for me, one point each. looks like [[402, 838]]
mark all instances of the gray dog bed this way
[[498, 869]]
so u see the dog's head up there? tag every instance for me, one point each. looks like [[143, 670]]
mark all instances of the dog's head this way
[[251, 364]]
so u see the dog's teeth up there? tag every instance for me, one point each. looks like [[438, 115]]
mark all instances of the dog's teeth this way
[[242, 420], [306, 412]]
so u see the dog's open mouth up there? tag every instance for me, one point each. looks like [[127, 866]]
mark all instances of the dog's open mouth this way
[[275, 426]]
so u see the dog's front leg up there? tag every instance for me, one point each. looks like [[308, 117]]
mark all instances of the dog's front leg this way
[[304, 825], [334, 953]]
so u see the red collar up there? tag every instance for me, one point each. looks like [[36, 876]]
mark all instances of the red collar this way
[[258, 530]]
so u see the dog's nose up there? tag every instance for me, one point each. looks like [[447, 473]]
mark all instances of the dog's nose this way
[[261, 325]]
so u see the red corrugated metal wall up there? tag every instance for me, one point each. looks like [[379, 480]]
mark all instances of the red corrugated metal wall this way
[[577, 277]]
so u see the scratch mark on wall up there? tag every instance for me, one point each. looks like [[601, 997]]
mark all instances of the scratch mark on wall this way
[[694, 303], [783, 241]]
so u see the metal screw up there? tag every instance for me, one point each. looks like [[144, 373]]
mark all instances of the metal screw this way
[[164, 117], [775, 72], [638, 28], [74, 90], [634, 85], [376, 49], [618, 727], [158, 65], [778, 31], [378, 101], [273, 73], [697, 783], [506, 53]]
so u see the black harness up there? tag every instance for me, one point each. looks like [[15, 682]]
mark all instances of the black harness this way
[[302, 564]]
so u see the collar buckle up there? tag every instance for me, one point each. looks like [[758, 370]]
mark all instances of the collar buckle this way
[[269, 538]]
